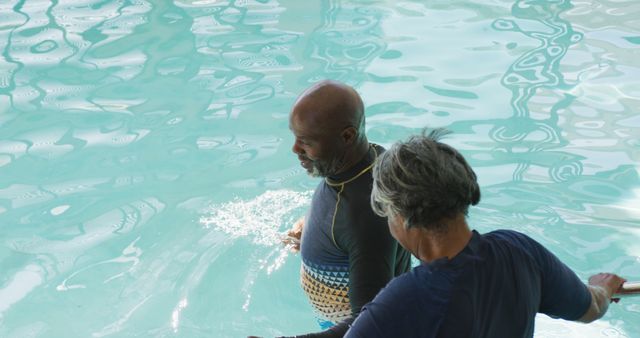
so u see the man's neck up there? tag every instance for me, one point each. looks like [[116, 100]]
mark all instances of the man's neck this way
[[431, 245], [354, 156]]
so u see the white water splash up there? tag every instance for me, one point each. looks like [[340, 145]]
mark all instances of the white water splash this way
[[259, 218]]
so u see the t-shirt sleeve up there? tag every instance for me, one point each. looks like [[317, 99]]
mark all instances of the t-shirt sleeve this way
[[563, 294]]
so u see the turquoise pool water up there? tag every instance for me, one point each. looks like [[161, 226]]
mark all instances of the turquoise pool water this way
[[145, 164]]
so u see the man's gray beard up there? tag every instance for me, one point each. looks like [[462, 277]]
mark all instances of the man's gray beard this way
[[329, 170], [314, 171]]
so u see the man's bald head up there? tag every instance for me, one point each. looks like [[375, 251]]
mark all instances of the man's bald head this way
[[327, 121], [331, 104]]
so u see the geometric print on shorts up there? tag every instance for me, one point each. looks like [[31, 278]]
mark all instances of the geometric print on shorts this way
[[327, 287]]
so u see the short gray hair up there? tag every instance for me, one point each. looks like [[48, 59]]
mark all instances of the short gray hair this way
[[424, 181]]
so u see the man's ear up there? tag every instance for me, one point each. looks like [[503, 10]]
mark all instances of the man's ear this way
[[349, 135]]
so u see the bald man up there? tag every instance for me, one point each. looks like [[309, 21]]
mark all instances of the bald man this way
[[347, 252]]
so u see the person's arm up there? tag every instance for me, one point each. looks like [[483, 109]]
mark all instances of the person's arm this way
[[564, 295], [602, 287]]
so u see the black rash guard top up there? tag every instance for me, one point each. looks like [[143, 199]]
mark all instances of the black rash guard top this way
[[348, 253]]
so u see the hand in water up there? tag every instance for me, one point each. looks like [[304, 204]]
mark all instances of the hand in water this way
[[609, 282], [293, 236]]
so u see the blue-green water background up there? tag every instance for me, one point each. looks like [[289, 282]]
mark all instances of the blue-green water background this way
[[145, 164]]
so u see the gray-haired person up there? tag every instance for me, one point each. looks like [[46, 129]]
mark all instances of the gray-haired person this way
[[469, 284]]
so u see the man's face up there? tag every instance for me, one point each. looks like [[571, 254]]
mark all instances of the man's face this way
[[319, 148]]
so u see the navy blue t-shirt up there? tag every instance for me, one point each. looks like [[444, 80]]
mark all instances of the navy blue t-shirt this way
[[493, 288]]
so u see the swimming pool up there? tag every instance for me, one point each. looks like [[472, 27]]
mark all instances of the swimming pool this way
[[145, 164]]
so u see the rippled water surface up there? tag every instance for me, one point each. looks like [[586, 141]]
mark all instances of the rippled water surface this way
[[145, 164]]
